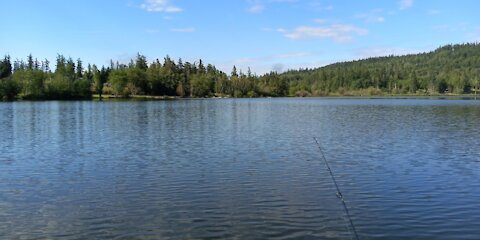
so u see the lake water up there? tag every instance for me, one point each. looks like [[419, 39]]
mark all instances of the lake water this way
[[240, 168]]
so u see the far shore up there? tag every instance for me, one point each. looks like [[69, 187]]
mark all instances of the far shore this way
[[149, 97]]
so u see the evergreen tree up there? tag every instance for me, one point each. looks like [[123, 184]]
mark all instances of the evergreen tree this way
[[46, 65], [5, 67], [141, 62], [30, 63], [97, 81], [79, 70]]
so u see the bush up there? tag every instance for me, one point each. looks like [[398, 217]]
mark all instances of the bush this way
[[9, 89]]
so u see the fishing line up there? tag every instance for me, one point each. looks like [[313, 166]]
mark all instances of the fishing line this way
[[339, 193]]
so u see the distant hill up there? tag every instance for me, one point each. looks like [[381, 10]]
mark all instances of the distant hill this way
[[448, 69]]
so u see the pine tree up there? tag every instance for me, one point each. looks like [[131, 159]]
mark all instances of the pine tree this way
[[5, 67], [79, 72]]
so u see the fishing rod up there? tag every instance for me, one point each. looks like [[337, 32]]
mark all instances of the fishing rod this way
[[339, 193]]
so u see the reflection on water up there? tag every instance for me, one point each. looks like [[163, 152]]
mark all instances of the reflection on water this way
[[242, 168]]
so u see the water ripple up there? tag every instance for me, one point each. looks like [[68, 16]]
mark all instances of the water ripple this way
[[239, 169]]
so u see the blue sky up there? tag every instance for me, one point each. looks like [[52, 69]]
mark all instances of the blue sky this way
[[262, 34]]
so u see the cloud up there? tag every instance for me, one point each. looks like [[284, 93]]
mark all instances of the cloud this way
[[340, 33], [433, 12], [160, 6], [319, 6], [280, 30], [256, 8], [183, 30], [373, 16], [405, 4]]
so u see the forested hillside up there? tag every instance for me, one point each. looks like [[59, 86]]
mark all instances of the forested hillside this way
[[452, 69], [449, 69]]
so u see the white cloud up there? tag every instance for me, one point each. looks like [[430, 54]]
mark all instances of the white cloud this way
[[373, 16], [338, 32], [183, 30], [404, 4], [319, 6], [280, 30], [256, 8], [160, 6]]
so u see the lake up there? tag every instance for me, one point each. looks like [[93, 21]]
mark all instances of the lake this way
[[240, 169]]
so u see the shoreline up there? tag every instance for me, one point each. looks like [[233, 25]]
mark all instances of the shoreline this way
[[96, 97]]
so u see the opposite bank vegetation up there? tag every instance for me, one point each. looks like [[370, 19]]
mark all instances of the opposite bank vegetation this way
[[453, 69]]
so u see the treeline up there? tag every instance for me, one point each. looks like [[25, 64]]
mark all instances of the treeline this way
[[170, 78], [449, 69], [34, 79]]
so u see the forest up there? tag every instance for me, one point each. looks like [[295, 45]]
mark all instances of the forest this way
[[452, 69]]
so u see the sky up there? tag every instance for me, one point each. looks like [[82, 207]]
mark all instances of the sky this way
[[265, 35]]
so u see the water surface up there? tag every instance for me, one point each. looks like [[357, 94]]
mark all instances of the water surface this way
[[239, 168]]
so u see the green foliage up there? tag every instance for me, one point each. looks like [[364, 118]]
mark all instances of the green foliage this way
[[5, 67], [449, 69], [274, 85], [201, 85], [65, 83], [97, 81], [81, 89], [9, 89], [118, 80], [138, 81], [222, 85], [32, 82]]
